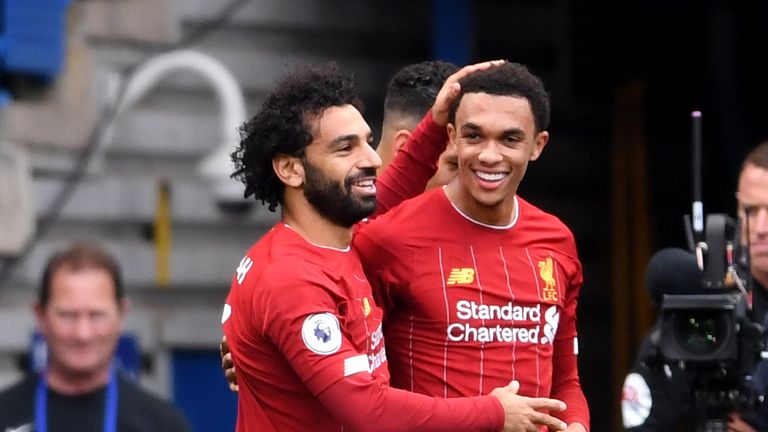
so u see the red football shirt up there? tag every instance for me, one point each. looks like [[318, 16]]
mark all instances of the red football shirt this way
[[307, 341], [289, 301], [469, 307]]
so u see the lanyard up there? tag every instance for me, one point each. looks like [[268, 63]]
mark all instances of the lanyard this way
[[110, 403]]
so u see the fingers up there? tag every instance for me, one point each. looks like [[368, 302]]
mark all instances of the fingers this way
[[466, 70], [546, 404], [223, 347], [226, 362], [231, 375], [228, 365], [521, 411], [553, 423], [513, 386], [451, 89]]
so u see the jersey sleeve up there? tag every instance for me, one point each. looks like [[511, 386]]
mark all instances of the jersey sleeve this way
[[412, 167], [305, 324], [566, 385], [363, 404]]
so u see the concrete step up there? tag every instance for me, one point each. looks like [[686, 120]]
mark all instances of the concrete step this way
[[201, 257], [132, 198]]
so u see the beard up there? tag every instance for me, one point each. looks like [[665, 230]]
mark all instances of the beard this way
[[334, 200]]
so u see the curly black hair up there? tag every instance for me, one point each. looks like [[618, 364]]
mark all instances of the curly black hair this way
[[283, 126], [412, 90], [508, 79]]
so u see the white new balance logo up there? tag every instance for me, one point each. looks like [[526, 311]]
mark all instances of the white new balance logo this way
[[243, 269]]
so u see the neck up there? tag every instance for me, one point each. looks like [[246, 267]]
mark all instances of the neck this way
[[316, 229], [501, 214], [72, 383]]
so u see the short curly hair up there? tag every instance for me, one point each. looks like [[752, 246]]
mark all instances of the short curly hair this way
[[283, 126], [508, 79]]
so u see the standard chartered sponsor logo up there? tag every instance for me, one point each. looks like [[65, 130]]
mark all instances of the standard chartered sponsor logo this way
[[466, 309], [377, 336], [470, 310], [375, 360]]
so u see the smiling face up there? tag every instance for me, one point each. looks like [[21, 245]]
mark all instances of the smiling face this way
[[81, 322], [495, 137], [753, 210], [340, 166]]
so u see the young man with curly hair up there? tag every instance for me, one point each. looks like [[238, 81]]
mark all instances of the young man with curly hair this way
[[304, 330]]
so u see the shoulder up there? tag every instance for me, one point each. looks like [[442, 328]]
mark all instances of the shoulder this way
[[278, 261], [537, 219], [17, 402], [532, 213], [145, 406], [20, 390], [410, 214], [298, 279]]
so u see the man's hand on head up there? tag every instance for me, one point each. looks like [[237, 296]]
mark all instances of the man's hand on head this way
[[451, 88]]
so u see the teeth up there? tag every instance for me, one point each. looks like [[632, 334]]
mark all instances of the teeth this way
[[365, 183], [490, 176]]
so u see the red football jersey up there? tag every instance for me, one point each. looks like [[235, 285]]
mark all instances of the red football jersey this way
[[306, 338], [469, 307], [300, 317]]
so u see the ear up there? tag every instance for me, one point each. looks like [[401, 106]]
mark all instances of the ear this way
[[541, 140], [288, 169], [451, 133], [125, 305], [401, 137], [40, 316]]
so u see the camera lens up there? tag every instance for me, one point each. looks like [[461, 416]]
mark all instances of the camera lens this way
[[701, 332]]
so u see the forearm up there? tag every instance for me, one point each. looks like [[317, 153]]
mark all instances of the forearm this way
[[408, 173], [567, 388], [363, 405]]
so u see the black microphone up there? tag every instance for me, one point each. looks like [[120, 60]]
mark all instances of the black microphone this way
[[672, 271]]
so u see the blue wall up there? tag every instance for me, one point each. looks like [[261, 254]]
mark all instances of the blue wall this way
[[201, 391]]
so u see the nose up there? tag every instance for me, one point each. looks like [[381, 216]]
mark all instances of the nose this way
[[83, 327], [370, 158], [760, 221], [489, 153]]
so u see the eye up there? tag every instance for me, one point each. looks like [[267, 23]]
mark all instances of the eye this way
[[344, 148], [66, 315]]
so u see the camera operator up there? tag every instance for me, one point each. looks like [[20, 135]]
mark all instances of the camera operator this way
[[656, 394]]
